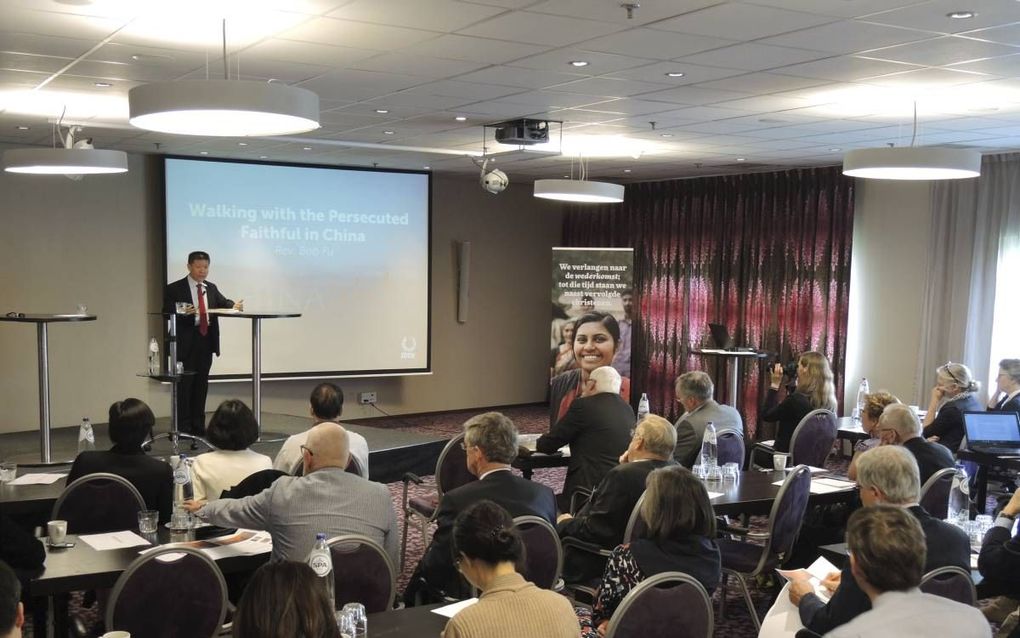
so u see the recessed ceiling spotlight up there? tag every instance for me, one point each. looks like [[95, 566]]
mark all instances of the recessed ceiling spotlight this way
[[460, 118], [578, 63], [22, 127], [741, 159], [666, 135], [427, 168], [387, 132], [674, 74], [147, 57], [104, 85], [382, 111], [626, 170], [307, 148], [263, 156], [960, 15], [203, 152], [242, 143], [835, 149]]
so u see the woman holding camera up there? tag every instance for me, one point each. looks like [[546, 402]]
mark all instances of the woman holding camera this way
[[814, 390]]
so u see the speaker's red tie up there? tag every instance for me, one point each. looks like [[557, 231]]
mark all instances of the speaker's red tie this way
[[203, 316]]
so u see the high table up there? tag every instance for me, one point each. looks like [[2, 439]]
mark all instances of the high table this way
[[732, 359], [42, 323], [985, 460], [256, 352]]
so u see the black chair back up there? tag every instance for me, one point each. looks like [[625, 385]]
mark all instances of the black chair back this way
[[543, 553], [169, 592], [935, 493], [813, 438], [362, 573], [635, 524], [253, 484], [451, 468], [98, 503], [787, 515], [668, 604], [730, 449], [953, 583]]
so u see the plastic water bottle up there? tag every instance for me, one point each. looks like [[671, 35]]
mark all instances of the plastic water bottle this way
[[642, 407], [862, 392], [184, 490], [86, 437], [153, 357], [710, 452], [321, 562], [959, 497]]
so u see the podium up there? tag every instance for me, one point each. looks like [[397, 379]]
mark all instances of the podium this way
[[256, 351], [732, 359], [173, 377], [42, 323]]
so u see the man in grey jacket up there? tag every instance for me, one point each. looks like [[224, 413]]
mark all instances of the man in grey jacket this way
[[326, 499], [694, 391]]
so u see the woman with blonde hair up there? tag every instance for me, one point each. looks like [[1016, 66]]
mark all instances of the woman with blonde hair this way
[[955, 392], [874, 403], [814, 390]]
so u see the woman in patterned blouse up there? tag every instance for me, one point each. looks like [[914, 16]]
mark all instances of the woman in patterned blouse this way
[[874, 403], [678, 536]]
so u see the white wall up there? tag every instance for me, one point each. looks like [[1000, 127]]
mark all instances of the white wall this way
[[889, 260], [99, 242]]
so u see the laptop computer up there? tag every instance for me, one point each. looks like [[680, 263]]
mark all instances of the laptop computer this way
[[993, 432], [721, 336]]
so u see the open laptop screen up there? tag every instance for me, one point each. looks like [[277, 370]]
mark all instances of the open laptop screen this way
[[721, 336], [995, 428]]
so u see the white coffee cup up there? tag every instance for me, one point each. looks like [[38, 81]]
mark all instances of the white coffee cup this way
[[116, 634], [779, 461], [57, 531]]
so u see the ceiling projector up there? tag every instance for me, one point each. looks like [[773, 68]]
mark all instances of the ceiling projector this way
[[522, 132]]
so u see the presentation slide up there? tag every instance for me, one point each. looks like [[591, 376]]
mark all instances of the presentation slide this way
[[348, 249]]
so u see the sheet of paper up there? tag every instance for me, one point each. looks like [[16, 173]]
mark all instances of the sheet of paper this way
[[712, 495], [38, 478], [826, 485], [769, 443], [973, 561], [113, 540], [245, 542], [815, 573], [451, 610], [782, 619]]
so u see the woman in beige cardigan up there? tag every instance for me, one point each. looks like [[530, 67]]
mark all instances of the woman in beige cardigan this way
[[487, 548]]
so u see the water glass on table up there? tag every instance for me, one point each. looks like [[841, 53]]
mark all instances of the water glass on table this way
[[779, 461], [8, 471], [730, 471], [148, 520], [358, 620]]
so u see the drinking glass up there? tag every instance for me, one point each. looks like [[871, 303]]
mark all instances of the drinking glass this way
[[147, 521], [8, 471], [779, 461]]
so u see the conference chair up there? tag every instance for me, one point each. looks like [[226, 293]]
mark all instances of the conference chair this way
[[811, 442], [935, 493], [745, 561], [169, 592], [451, 472], [635, 524], [730, 449], [253, 484], [362, 573], [543, 555], [97, 503], [953, 583], [668, 604]]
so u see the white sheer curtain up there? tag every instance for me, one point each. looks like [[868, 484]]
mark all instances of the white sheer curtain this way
[[968, 315]]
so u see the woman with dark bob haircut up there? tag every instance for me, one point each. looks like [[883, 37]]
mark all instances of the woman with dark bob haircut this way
[[231, 431], [677, 537], [131, 423], [285, 598], [487, 549], [596, 339]]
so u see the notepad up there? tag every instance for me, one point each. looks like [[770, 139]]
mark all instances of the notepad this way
[[815, 573], [38, 478], [113, 540], [451, 610]]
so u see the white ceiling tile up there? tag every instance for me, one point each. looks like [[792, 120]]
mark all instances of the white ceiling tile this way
[[630, 106], [754, 57], [766, 103], [847, 68], [693, 95], [351, 84], [942, 51], [166, 25], [357, 35], [923, 79], [848, 36], [1009, 34], [692, 73], [763, 83], [33, 63], [417, 102], [462, 47], [932, 15], [838, 8], [536, 28], [598, 63], [514, 76], [610, 87], [425, 67], [20, 20], [553, 100], [652, 44], [308, 52], [436, 15], [467, 90], [741, 21], [1006, 65], [611, 11]]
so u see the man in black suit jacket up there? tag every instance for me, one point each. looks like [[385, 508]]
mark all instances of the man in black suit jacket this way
[[490, 441], [886, 474], [999, 560], [597, 427], [603, 520], [198, 338], [898, 425]]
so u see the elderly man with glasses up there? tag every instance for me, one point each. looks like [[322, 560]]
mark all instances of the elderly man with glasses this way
[[898, 425]]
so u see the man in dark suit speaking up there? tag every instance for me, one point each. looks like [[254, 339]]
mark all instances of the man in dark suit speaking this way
[[198, 337]]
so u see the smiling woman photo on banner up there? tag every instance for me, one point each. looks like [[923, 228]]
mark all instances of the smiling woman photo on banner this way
[[596, 340]]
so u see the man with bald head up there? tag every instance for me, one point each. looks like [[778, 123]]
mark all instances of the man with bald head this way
[[326, 499]]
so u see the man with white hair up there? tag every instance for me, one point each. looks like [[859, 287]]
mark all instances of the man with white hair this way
[[694, 391], [888, 475], [597, 428], [898, 425]]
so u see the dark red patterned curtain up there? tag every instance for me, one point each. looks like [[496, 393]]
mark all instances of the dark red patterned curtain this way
[[766, 254]]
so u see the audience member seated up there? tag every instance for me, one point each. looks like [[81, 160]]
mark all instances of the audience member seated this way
[[887, 560], [814, 390], [678, 537], [12, 612], [490, 441], [285, 598], [325, 500], [694, 391], [232, 429], [898, 425], [596, 340], [886, 475], [327, 404], [487, 548], [596, 427], [1006, 397], [874, 403], [131, 423], [999, 561], [954, 393], [603, 519]]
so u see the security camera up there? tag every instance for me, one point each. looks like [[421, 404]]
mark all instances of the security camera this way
[[494, 181], [84, 144]]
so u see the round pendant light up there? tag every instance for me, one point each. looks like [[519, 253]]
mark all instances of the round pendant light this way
[[583, 191], [223, 108], [913, 163], [64, 161]]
